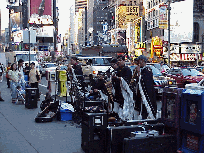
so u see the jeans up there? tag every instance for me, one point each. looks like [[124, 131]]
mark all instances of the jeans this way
[[13, 89]]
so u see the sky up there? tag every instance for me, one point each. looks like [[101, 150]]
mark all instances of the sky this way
[[63, 23]]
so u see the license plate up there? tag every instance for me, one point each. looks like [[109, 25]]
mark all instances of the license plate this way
[[160, 90]]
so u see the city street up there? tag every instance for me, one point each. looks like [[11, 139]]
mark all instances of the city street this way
[[19, 133]]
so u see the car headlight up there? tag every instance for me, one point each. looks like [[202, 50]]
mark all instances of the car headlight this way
[[170, 82]]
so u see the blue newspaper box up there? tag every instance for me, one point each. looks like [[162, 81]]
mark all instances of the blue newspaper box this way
[[192, 111], [192, 142]]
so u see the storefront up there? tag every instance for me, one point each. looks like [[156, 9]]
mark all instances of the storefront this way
[[156, 49]]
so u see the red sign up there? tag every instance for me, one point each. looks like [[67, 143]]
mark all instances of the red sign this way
[[41, 7]]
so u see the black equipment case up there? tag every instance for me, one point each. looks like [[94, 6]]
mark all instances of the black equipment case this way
[[155, 144], [48, 113], [116, 135]]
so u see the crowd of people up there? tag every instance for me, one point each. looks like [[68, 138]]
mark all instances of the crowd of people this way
[[15, 76], [141, 83]]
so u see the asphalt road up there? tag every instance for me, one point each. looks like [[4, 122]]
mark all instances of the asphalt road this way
[[19, 133]]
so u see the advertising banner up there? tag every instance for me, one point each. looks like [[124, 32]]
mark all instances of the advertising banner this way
[[41, 7], [126, 14], [163, 20], [181, 19]]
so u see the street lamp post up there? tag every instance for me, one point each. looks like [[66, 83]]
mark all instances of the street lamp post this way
[[169, 8]]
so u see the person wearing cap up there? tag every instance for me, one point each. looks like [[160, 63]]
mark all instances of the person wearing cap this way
[[33, 80], [7, 76], [20, 69], [146, 92]]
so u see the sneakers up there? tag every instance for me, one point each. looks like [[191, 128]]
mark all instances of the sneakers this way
[[1, 99]]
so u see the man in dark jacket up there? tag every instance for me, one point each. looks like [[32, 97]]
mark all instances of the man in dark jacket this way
[[124, 72], [146, 90], [77, 70]]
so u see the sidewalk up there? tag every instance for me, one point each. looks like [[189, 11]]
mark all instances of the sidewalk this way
[[19, 133]]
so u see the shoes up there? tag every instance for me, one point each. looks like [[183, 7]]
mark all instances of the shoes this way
[[1, 99], [13, 100]]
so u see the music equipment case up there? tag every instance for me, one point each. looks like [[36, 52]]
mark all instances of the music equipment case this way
[[116, 135], [154, 144]]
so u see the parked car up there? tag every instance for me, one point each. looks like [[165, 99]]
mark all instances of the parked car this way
[[48, 66], [200, 68], [158, 66], [185, 76], [197, 86], [160, 81]]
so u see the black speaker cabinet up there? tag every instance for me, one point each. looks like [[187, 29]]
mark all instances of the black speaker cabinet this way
[[31, 98], [93, 137]]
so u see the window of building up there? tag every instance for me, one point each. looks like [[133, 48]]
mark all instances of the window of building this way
[[196, 30]]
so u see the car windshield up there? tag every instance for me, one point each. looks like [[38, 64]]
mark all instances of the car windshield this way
[[186, 72], [63, 67], [101, 61], [155, 71], [50, 65], [195, 72]]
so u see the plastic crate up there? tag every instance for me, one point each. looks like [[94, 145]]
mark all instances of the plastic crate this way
[[66, 115], [192, 111]]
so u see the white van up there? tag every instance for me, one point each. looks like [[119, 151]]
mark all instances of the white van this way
[[93, 64], [36, 64]]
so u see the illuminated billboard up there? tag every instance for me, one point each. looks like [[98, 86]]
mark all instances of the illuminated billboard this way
[[181, 21], [41, 7]]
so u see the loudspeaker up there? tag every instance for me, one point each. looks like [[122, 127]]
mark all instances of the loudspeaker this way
[[31, 98]]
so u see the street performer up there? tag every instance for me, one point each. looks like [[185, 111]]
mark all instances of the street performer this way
[[77, 70], [124, 72], [146, 99]]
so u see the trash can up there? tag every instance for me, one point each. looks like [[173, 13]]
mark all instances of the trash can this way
[[31, 98]]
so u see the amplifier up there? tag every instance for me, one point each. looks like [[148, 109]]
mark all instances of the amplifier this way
[[31, 98], [95, 120], [93, 139], [155, 144]]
